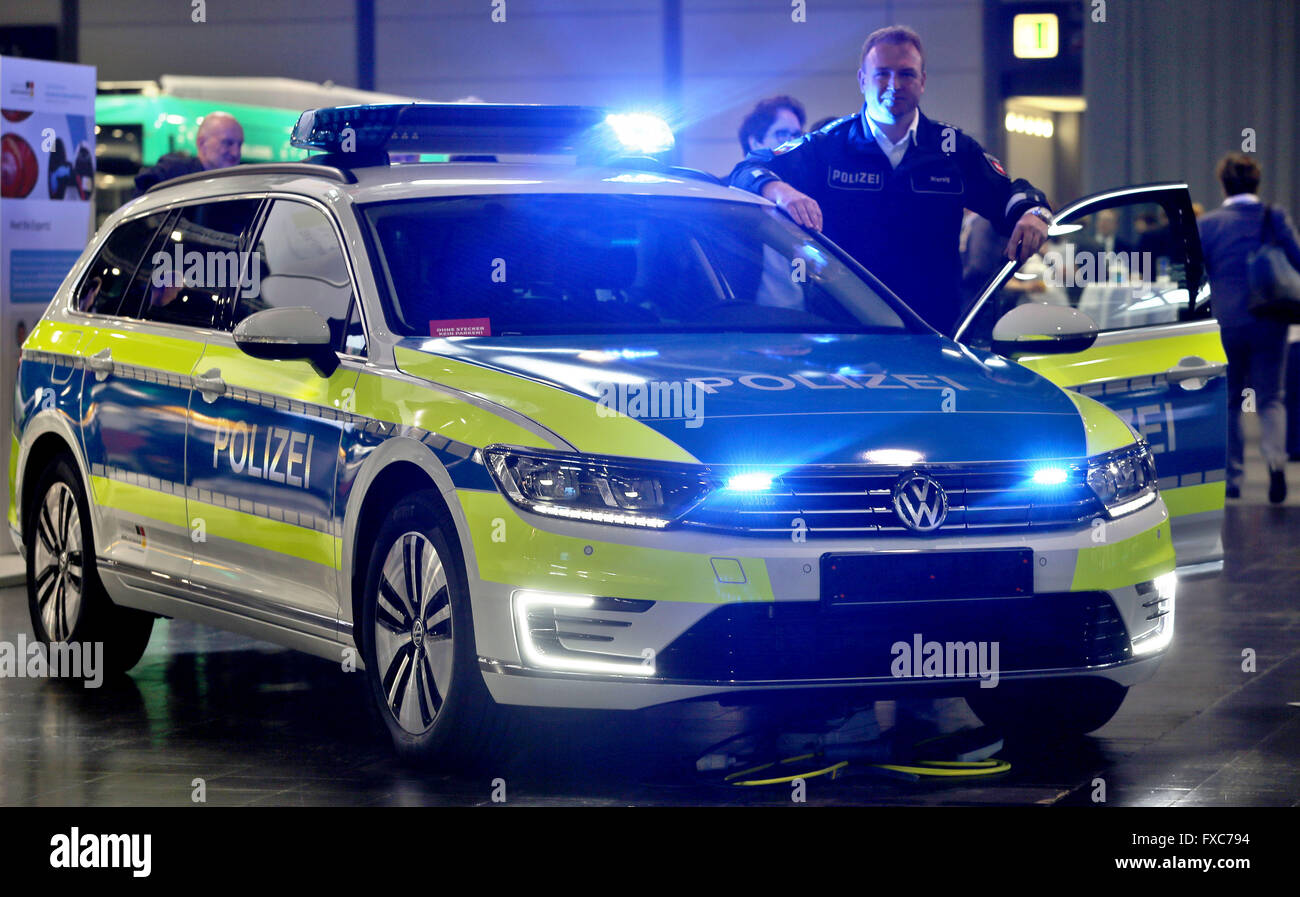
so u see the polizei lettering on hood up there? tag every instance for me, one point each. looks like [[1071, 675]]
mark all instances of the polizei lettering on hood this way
[[777, 383]]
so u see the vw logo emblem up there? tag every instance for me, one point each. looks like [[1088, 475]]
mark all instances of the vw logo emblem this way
[[920, 502]]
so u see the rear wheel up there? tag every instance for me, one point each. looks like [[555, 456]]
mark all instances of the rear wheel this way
[[417, 641], [67, 600], [1058, 707]]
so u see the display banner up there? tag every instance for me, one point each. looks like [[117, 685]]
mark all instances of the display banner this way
[[47, 133]]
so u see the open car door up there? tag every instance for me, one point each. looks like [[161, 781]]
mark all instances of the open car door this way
[[1131, 260]]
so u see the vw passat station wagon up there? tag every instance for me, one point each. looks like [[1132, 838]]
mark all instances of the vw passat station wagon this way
[[570, 427]]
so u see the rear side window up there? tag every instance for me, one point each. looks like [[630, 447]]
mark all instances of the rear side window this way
[[298, 261], [198, 264], [113, 271]]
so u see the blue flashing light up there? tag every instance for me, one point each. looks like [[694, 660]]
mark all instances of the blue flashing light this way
[[641, 133], [750, 482], [1051, 476]]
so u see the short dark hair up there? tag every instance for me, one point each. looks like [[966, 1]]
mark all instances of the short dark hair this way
[[764, 113], [1239, 173], [893, 34]]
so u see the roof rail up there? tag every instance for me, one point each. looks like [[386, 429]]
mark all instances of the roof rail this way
[[651, 164], [303, 169]]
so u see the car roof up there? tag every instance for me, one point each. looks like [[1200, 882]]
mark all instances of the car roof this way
[[383, 183], [380, 183]]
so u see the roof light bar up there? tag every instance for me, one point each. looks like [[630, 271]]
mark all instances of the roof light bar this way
[[584, 131]]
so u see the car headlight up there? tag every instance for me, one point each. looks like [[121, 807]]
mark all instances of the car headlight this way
[[1124, 480], [595, 489]]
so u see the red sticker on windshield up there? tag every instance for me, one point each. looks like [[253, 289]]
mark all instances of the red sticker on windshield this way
[[461, 327]]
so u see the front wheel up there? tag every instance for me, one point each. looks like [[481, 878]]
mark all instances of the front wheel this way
[[67, 600], [417, 641], [1052, 707]]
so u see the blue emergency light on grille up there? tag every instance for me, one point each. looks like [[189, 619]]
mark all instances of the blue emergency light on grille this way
[[583, 131]]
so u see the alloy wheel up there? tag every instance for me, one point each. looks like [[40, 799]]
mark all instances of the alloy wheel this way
[[59, 563], [414, 643]]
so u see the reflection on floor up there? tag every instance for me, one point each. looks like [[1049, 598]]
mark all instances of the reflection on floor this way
[[261, 725]]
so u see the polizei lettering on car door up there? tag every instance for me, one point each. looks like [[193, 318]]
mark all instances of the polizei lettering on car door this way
[[276, 454]]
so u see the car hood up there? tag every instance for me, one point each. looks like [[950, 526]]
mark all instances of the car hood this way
[[769, 399]]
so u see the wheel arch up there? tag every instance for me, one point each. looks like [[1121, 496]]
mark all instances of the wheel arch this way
[[46, 437], [395, 469]]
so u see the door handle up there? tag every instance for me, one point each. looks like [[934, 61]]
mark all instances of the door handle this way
[[210, 385], [101, 363], [1194, 371]]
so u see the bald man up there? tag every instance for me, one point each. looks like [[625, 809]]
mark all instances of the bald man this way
[[220, 141]]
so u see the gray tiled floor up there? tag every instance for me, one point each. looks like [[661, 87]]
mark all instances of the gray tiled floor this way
[[264, 726]]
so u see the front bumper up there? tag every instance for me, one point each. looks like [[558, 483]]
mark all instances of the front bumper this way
[[535, 688], [730, 617]]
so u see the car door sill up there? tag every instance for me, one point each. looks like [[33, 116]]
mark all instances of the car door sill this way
[[260, 611]]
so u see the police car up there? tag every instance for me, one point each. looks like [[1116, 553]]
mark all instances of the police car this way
[[568, 427]]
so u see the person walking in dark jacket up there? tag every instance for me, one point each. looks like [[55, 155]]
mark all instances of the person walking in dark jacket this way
[[220, 142], [1256, 347]]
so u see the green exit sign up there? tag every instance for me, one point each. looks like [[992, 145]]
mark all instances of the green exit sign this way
[[1035, 35]]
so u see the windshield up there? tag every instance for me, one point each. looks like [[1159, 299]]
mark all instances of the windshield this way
[[580, 263]]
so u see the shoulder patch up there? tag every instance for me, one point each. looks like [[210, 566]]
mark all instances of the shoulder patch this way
[[995, 164]]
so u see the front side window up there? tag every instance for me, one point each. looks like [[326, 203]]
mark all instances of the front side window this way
[[198, 264], [298, 261], [560, 264]]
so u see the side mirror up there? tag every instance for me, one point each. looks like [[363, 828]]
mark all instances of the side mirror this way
[[288, 334], [1037, 328]]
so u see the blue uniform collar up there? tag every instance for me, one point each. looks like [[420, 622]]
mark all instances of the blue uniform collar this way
[[862, 140], [872, 129]]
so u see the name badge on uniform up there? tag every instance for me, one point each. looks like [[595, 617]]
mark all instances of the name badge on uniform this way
[[947, 182], [855, 180]]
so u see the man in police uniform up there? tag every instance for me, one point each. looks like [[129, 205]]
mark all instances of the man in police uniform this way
[[890, 184]]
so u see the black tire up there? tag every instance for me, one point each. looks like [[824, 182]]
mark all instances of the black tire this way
[[66, 598], [1054, 707], [442, 713]]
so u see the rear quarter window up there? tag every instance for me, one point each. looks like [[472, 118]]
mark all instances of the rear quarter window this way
[[113, 272]]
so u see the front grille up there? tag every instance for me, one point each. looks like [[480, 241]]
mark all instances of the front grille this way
[[796, 640], [831, 504]]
